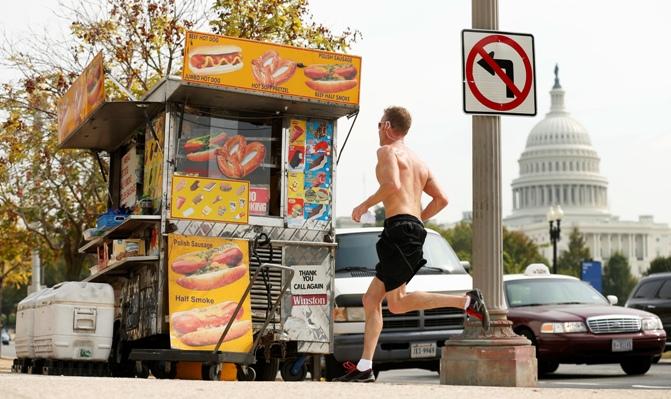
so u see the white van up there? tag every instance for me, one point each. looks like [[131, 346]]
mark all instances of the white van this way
[[411, 340]]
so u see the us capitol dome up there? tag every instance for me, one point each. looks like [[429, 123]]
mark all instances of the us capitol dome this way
[[559, 166]]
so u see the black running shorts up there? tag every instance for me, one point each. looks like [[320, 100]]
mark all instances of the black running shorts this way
[[400, 250]]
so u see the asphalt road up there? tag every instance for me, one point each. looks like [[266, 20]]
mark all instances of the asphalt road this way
[[608, 376]]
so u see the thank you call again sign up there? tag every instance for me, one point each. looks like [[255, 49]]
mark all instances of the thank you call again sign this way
[[308, 286]]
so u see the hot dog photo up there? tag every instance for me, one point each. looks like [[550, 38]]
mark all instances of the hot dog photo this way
[[331, 78], [95, 83], [204, 326], [207, 277], [207, 270], [215, 60], [221, 154]]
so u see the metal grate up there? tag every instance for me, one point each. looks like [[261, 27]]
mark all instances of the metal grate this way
[[363, 274], [613, 324], [441, 318], [259, 293]]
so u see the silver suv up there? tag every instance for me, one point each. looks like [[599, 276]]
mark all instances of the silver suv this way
[[410, 340]]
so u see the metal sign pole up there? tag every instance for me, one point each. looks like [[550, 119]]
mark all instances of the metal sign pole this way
[[497, 357], [487, 234]]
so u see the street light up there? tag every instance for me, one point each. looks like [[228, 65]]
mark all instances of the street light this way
[[554, 215]]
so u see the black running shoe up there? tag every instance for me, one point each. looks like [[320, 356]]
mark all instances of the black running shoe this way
[[477, 308], [354, 375]]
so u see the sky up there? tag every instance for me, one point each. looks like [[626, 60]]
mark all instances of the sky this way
[[613, 64]]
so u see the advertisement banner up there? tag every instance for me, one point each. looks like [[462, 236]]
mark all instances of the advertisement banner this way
[[259, 197], [206, 278], [212, 200], [271, 68], [129, 178], [82, 98], [309, 182], [153, 162]]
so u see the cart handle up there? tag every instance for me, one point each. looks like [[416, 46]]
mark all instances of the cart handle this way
[[285, 287]]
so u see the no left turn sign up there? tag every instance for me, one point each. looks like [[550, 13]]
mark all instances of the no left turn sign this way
[[498, 73]]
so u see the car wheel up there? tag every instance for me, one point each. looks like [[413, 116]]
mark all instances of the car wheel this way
[[547, 367], [656, 359], [544, 366], [636, 366]]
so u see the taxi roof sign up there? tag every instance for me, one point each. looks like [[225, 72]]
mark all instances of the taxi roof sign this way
[[537, 269]]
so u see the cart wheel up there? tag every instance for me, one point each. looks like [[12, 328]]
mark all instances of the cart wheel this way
[[211, 372], [246, 373], [141, 370], [164, 370], [292, 371]]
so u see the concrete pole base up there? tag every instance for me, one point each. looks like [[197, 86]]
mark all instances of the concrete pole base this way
[[496, 358]]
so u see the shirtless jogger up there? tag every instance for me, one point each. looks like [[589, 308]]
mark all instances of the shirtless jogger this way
[[402, 177]]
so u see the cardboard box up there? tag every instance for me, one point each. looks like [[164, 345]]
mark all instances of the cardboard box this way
[[127, 247]]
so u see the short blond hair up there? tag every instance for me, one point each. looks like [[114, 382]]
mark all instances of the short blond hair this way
[[399, 118]]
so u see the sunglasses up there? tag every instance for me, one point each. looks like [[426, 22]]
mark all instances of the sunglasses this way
[[380, 124]]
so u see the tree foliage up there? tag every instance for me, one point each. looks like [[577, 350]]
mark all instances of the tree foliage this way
[[15, 258], [280, 21], [570, 261], [460, 237], [659, 265], [54, 194], [519, 251], [617, 277]]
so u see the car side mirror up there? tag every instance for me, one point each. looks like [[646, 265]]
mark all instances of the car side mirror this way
[[466, 265], [612, 299]]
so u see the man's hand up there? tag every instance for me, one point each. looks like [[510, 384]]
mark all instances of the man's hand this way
[[358, 211]]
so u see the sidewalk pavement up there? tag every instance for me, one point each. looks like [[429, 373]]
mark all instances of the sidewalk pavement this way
[[22, 386], [58, 387]]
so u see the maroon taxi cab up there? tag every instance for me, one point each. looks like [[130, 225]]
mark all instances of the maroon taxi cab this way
[[570, 322]]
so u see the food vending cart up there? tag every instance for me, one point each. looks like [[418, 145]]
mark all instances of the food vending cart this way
[[219, 238]]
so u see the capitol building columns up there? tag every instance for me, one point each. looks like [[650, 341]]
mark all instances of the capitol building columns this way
[[559, 166]]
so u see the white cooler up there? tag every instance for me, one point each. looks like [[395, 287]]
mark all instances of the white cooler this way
[[74, 320], [25, 320]]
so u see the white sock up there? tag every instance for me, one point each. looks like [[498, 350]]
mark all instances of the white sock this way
[[468, 302], [364, 364]]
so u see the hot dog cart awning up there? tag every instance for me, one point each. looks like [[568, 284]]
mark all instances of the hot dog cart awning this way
[[110, 125], [174, 89]]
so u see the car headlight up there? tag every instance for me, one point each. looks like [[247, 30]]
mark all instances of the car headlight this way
[[348, 314], [565, 327], [651, 324]]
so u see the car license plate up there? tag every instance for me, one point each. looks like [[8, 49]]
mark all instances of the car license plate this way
[[423, 349], [622, 345]]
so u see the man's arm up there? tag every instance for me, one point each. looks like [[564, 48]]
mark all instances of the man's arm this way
[[438, 198], [387, 175]]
